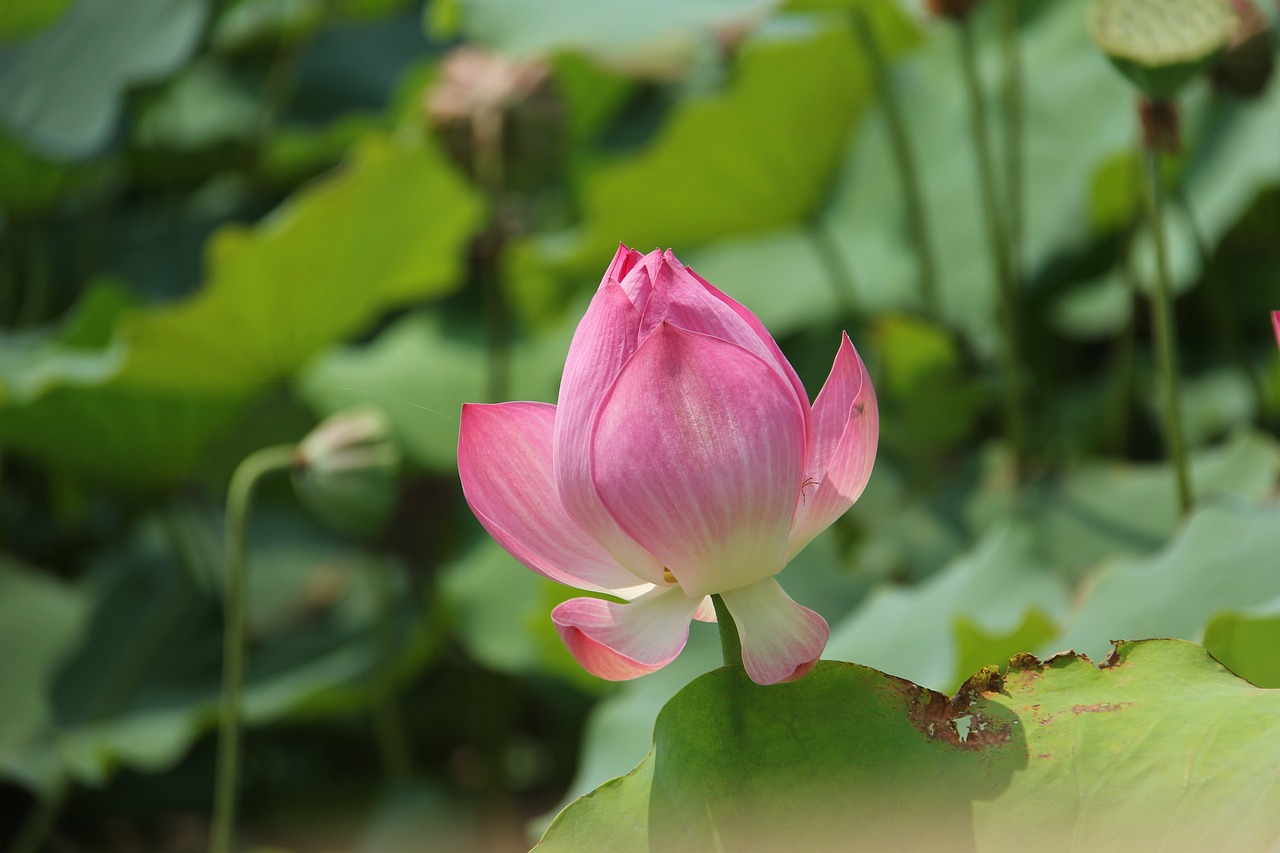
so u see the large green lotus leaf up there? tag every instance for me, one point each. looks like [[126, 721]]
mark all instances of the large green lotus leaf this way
[[1055, 756], [749, 157], [145, 679], [991, 591], [1104, 509], [40, 622], [1224, 557], [1077, 111], [502, 614], [618, 731], [62, 401], [388, 228], [421, 370], [23, 18], [1246, 640], [636, 32], [61, 89]]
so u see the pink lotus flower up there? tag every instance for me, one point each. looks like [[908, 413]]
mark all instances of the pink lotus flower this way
[[683, 459]]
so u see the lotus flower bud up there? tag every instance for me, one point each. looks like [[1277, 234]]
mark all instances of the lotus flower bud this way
[[345, 470]]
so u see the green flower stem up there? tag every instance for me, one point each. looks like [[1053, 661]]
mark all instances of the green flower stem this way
[[1011, 96], [488, 130], [1166, 349], [40, 820], [239, 496], [904, 161], [730, 642], [388, 724], [1015, 418]]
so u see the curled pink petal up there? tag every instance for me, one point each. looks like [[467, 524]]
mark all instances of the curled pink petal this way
[[622, 641], [698, 453], [846, 429], [624, 260], [706, 611], [504, 462], [606, 337], [781, 641]]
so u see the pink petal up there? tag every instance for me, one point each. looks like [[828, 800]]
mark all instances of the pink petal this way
[[698, 453], [621, 641], [624, 260], [504, 462], [684, 299], [1275, 322], [606, 337], [753, 322], [781, 641], [846, 428]]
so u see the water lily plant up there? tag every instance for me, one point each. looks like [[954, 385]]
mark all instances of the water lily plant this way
[[683, 460]]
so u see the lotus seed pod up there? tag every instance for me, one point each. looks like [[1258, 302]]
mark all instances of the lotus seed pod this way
[[1160, 45], [1246, 66]]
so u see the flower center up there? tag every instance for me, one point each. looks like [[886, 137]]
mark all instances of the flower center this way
[[667, 576]]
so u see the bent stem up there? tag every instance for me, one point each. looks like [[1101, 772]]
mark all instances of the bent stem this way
[[1166, 349], [730, 642], [1015, 419], [903, 161], [239, 496]]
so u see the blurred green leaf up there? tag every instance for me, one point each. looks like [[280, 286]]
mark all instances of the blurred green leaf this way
[[1245, 640], [635, 32], [849, 753], [40, 623], [912, 632], [61, 89], [24, 18], [1223, 558], [203, 106], [145, 678], [386, 229], [1107, 509], [421, 370]]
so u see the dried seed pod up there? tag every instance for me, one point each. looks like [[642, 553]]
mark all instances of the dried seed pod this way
[[1161, 44]]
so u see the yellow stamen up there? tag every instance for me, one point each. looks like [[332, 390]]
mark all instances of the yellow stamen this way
[[667, 576]]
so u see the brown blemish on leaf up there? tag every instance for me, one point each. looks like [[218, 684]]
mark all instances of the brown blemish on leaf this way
[[935, 716], [1025, 662], [1099, 708]]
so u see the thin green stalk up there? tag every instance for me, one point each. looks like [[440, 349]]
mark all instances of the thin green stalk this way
[[239, 497], [487, 135], [1011, 98], [39, 821], [388, 725], [1015, 418], [1166, 349], [904, 162], [730, 642], [837, 269]]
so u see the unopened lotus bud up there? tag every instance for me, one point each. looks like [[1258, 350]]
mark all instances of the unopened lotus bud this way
[[345, 470], [1160, 45], [1246, 66]]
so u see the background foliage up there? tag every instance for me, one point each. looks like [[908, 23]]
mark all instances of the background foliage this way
[[222, 221]]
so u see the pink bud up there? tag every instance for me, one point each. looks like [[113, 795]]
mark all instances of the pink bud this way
[[682, 460]]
